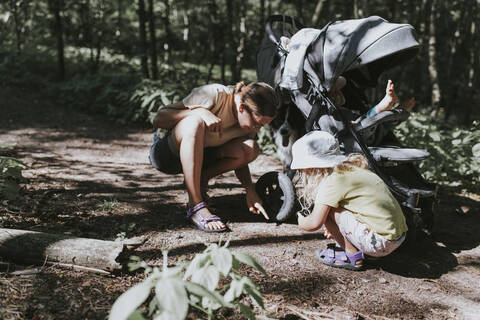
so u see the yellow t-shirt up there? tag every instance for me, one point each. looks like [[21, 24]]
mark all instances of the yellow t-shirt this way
[[366, 195], [219, 100]]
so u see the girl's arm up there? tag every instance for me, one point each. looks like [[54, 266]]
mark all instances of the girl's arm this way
[[314, 220]]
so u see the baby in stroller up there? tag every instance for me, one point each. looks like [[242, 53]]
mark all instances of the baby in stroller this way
[[389, 101]]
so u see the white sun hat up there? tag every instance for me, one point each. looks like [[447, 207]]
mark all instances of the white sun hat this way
[[316, 149]]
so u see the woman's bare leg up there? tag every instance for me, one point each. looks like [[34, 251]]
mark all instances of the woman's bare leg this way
[[188, 137], [233, 155]]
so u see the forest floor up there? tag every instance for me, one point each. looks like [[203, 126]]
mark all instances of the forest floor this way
[[90, 177]]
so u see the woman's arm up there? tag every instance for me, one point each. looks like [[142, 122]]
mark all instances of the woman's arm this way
[[254, 202], [167, 117], [314, 220]]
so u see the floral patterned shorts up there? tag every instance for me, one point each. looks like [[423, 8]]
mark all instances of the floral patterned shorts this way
[[364, 239]]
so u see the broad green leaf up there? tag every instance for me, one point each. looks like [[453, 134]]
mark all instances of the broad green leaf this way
[[456, 142], [164, 98], [136, 315], [222, 259], [257, 296], [211, 247], [130, 300], [165, 315], [476, 150], [247, 259], [172, 272], [172, 298], [150, 101], [198, 262], [235, 290], [235, 264], [210, 304], [200, 291], [435, 136], [246, 310], [152, 307], [207, 276]]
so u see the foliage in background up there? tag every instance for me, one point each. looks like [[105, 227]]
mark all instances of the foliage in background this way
[[10, 176], [455, 151], [226, 35], [119, 93], [199, 283], [265, 141]]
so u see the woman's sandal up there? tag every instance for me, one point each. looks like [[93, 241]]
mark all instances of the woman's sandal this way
[[201, 222], [340, 259]]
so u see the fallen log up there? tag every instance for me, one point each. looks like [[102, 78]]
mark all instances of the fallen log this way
[[33, 247]]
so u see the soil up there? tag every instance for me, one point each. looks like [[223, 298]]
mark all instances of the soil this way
[[90, 177]]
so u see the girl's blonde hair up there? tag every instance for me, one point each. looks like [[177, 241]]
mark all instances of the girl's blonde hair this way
[[312, 177], [260, 98]]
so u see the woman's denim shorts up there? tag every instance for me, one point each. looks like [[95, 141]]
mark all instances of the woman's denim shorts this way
[[165, 158]]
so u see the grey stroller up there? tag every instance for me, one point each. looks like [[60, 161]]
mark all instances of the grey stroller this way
[[359, 50]]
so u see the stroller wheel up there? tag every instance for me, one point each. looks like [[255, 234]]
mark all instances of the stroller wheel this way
[[277, 193]]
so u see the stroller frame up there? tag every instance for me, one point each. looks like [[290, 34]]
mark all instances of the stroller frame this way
[[417, 202]]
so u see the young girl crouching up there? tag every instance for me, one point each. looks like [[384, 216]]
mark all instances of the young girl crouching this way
[[354, 204]]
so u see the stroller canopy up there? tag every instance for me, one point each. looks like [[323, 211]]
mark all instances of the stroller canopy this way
[[361, 48]]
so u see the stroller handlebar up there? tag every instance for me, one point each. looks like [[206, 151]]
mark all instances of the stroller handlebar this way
[[280, 18]]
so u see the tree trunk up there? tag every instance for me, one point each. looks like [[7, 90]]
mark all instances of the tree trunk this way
[[432, 56], [317, 13], [153, 39], [262, 16], [143, 39], [121, 11], [56, 8], [392, 10], [355, 9], [299, 9], [475, 58], [18, 32], [44, 248], [100, 25], [241, 43], [215, 37], [231, 38], [168, 34]]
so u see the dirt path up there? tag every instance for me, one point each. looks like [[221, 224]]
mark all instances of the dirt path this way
[[91, 178]]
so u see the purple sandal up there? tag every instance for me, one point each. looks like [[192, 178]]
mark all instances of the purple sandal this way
[[340, 259], [201, 222]]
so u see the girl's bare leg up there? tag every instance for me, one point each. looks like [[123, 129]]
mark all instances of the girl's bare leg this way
[[188, 137], [332, 225]]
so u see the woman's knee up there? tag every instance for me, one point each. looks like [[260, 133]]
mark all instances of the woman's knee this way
[[251, 150], [191, 126]]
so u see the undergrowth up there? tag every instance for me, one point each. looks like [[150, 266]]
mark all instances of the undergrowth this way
[[454, 151]]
